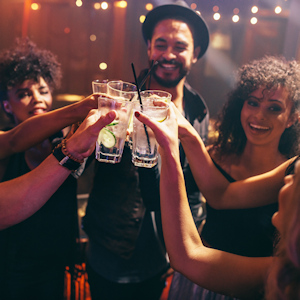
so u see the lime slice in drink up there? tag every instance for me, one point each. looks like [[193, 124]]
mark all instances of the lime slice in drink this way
[[114, 122], [161, 120], [107, 138]]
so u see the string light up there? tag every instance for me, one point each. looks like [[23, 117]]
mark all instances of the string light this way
[[142, 18], [216, 8], [97, 5], [93, 37], [121, 4], [253, 20], [78, 3], [35, 6], [149, 6], [104, 5], [217, 16], [103, 66], [235, 18], [278, 9], [254, 9], [193, 6]]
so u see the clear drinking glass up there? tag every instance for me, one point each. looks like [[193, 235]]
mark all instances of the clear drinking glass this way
[[144, 145], [111, 139], [99, 87]]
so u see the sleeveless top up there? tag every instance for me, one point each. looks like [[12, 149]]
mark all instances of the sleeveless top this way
[[247, 232]]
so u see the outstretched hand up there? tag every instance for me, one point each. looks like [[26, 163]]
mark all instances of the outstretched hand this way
[[82, 142], [166, 133], [183, 123]]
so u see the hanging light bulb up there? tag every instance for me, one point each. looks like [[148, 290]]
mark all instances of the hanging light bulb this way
[[104, 5], [278, 9], [217, 16], [78, 3], [235, 18], [253, 21], [254, 9]]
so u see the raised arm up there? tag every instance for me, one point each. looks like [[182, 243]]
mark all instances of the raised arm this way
[[215, 270], [38, 128], [23, 196], [218, 191]]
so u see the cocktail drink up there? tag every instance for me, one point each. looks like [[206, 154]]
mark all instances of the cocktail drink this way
[[99, 87], [152, 94], [122, 89], [144, 144], [125, 90], [156, 94], [111, 139]]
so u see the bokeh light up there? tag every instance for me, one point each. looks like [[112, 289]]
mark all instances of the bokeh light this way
[[103, 66], [217, 16], [253, 20], [149, 6]]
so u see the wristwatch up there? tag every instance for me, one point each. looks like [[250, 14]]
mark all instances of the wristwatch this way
[[65, 160]]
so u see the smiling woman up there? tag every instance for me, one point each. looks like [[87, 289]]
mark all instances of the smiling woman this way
[[258, 130], [41, 246]]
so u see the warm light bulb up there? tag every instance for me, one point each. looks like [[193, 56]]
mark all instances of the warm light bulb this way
[[193, 6], [35, 6], [104, 5], [103, 66], [142, 18], [253, 20], [278, 9], [93, 37], [216, 8], [78, 3], [254, 9], [97, 5], [217, 16], [236, 11], [149, 6], [121, 4], [235, 18]]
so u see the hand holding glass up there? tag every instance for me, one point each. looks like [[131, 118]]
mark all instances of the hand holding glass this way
[[145, 146], [111, 139]]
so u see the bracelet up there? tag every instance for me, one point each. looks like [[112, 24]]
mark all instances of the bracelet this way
[[67, 153]]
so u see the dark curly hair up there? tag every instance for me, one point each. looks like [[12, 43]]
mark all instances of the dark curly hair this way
[[26, 61], [268, 72]]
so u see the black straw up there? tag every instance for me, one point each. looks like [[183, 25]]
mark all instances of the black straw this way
[[153, 64], [140, 99]]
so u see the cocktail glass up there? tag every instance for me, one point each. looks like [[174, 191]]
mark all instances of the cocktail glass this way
[[144, 145], [111, 139], [99, 87]]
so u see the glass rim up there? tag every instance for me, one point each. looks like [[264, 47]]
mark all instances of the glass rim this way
[[121, 81]]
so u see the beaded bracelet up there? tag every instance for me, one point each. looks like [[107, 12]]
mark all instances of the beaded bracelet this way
[[67, 153]]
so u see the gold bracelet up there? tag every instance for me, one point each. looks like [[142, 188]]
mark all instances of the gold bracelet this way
[[67, 153]]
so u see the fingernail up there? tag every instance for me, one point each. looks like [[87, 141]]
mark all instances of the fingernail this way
[[137, 113], [111, 114]]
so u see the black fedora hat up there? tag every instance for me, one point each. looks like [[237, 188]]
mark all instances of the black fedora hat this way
[[181, 10]]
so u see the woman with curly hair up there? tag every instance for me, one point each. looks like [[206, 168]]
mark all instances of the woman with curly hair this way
[[270, 278], [35, 252], [257, 131]]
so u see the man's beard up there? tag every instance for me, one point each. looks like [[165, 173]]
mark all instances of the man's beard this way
[[166, 82]]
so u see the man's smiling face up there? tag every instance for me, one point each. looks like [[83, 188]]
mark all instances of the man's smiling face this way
[[172, 45]]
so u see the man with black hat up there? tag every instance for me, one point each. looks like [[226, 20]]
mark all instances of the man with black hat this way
[[177, 37], [126, 256]]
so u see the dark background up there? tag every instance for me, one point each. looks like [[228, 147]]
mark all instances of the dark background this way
[[65, 29]]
